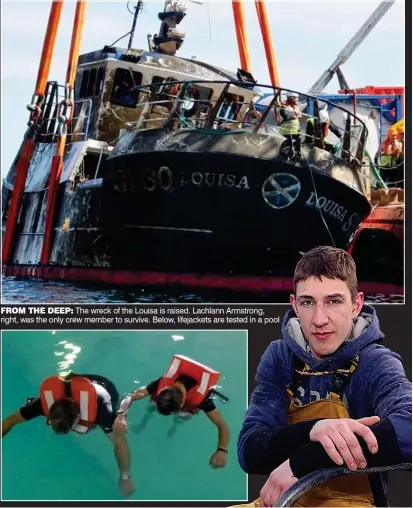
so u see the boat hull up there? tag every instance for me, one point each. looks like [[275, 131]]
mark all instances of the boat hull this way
[[217, 212], [194, 203]]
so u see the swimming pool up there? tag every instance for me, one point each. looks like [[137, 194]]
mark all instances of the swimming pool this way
[[170, 459]]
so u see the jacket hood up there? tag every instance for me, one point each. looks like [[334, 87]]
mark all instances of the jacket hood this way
[[366, 330]]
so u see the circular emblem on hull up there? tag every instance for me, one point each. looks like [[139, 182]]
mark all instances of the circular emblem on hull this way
[[281, 190]]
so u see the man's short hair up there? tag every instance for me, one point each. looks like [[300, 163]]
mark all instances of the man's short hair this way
[[62, 415], [169, 400], [329, 262]]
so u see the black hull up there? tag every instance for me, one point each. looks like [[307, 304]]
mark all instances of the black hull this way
[[207, 213]]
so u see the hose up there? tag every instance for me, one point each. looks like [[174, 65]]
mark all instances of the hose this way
[[375, 171]]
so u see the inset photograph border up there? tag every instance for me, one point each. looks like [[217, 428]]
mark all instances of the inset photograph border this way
[[189, 454]]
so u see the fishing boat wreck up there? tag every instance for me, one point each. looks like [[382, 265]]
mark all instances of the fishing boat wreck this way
[[149, 168]]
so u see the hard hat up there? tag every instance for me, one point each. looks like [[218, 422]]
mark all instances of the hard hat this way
[[400, 129], [292, 94], [392, 131], [324, 115]]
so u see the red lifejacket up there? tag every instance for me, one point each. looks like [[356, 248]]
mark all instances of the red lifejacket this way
[[204, 376], [83, 393]]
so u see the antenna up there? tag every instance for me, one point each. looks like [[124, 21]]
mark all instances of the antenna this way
[[138, 8]]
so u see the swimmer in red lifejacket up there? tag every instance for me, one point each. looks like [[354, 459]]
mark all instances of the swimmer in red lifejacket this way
[[79, 403], [187, 387]]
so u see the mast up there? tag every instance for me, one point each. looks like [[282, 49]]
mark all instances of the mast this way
[[170, 39], [138, 8]]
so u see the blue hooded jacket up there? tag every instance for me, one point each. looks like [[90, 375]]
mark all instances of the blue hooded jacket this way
[[377, 387]]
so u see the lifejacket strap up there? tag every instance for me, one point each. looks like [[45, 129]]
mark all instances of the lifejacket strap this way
[[223, 397], [67, 384]]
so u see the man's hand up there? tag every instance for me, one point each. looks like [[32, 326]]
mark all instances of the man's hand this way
[[126, 486], [218, 459], [121, 424], [279, 481], [140, 393], [339, 440]]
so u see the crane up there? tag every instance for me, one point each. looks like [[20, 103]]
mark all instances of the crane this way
[[349, 49]]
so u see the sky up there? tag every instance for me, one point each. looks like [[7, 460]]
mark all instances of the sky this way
[[307, 37]]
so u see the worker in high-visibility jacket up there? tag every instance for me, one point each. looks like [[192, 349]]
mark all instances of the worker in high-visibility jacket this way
[[388, 159], [398, 170], [389, 149], [290, 114], [400, 140]]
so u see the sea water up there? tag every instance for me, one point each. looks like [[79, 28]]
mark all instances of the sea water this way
[[17, 290], [170, 456]]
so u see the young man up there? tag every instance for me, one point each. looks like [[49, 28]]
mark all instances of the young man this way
[[186, 387], [79, 403], [328, 394]]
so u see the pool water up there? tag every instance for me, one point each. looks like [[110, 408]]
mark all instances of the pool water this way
[[170, 457]]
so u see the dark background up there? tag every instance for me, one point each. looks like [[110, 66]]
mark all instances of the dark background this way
[[395, 322]]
